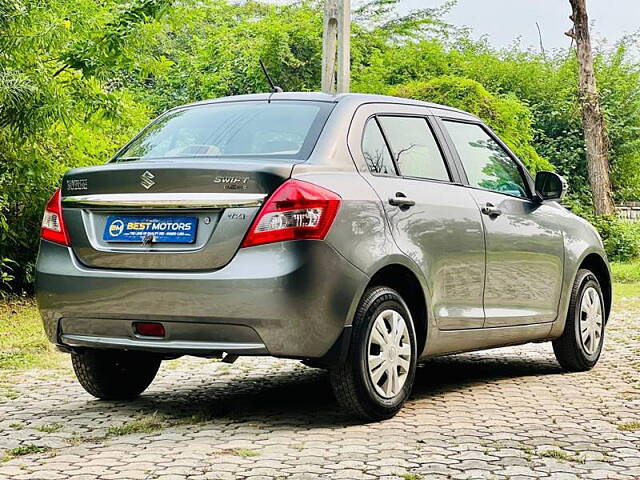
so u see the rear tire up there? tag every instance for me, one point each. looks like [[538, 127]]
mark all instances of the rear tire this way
[[580, 346], [114, 374], [378, 375]]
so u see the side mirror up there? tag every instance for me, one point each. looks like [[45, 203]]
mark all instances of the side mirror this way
[[550, 186]]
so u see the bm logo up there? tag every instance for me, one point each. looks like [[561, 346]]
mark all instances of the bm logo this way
[[116, 228]]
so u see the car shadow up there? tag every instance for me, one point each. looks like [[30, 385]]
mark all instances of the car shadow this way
[[438, 376], [303, 397]]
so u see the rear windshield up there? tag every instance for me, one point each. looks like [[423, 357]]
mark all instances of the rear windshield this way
[[280, 129]]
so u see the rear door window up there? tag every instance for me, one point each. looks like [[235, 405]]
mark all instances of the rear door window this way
[[414, 147], [375, 150], [486, 163]]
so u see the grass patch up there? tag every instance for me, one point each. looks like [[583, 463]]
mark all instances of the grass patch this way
[[409, 476], [629, 427], [626, 290], [148, 424], [527, 453], [24, 450], [23, 344], [626, 272], [562, 455], [49, 428]]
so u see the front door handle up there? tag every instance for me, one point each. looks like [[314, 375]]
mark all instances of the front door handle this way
[[491, 210], [400, 200]]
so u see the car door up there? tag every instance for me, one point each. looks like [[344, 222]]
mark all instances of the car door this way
[[433, 221], [524, 242]]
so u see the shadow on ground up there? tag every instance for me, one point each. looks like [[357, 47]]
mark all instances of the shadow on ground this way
[[303, 397]]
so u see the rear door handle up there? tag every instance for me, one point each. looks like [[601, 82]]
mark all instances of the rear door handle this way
[[400, 200], [491, 210]]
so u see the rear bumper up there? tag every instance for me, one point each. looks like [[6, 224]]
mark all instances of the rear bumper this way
[[181, 337], [290, 299]]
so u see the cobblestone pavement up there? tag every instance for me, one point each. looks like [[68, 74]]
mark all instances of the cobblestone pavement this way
[[505, 413]]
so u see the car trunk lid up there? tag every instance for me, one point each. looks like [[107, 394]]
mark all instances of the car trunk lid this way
[[219, 199]]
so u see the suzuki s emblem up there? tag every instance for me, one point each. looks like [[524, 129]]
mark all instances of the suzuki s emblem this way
[[146, 180]]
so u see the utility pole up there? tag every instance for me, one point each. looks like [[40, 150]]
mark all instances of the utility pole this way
[[336, 45], [595, 130]]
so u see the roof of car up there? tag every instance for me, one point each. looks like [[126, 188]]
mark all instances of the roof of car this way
[[325, 97]]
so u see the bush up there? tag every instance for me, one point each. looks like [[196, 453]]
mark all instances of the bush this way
[[621, 238], [6, 275], [30, 174], [57, 112]]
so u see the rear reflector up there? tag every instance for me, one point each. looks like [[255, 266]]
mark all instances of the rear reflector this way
[[53, 228], [149, 329], [297, 210]]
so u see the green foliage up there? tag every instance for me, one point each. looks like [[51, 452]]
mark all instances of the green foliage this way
[[510, 119], [106, 47], [621, 238], [6, 274], [619, 82], [213, 51], [53, 116], [78, 78]]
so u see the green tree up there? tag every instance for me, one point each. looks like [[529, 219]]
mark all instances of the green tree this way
[[54, 113], [78, 78]]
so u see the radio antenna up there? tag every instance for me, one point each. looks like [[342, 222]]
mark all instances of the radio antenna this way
[[274, 87]]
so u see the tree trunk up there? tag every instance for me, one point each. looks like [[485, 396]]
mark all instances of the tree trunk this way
[[595, 131]]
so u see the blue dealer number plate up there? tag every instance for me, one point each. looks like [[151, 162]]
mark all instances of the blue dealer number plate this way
[[163, 229]]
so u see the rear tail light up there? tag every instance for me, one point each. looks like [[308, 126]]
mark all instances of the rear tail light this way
[[53, 228], [297, 210]]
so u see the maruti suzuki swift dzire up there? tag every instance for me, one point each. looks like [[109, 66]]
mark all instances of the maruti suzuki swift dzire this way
[[357, 233]]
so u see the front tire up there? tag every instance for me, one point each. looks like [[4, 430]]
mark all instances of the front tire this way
[[378, 375], [580, 346], [114, 374]]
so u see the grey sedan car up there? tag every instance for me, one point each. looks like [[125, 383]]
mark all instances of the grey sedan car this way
[[357, 233]]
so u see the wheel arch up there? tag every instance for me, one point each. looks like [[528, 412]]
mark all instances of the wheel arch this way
[[403, 280], [598, 265]]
